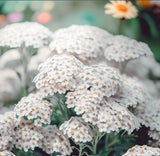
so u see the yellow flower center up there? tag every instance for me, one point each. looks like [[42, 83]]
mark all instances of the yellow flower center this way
[[122, 8]]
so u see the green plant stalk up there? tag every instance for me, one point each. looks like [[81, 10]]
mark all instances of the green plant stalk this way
[[80, 149], [123, 66], [25, 61], [97, 138], [62, 106]]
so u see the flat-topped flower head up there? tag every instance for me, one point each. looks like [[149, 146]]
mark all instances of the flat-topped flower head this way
[[149, 114], [131, 92], [86, 43], [102, 78], [77, 129], [34, 109], [121, 48], [6, 143], [58, 74], [121, 9], [27, 33], [142, 151], [107, 115], [55, 141], [93, 33], [8, 122], [5, 153], [28, 136]]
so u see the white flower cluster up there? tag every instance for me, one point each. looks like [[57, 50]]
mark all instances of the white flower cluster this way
[[6, 153], [142, 151], [55, 141], [86, 43], [77, 129], [8, 122], [34, 109], [131, 92], [58, 74], [149, 115], [121, 48], [28, 136], [107, 115], [28, 33], [6, 143], [100, 78], [91, 86]]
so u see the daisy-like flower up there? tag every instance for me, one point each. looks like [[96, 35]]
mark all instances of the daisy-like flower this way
[[58, 74], [8, 122], [28, 136], [55, 141], [27, 33], [142, 151], [6, 143], [121, 48], [77, 129], [121, 9], [86, 43], [34, 109], [5, 153]]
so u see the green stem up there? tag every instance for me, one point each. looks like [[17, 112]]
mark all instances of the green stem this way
[[25, 61], [120, 26], [97, 138], [95, 145], [80, 149], [62, 106], [123, 66]]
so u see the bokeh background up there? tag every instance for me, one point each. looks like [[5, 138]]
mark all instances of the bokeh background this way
[[59, 14]]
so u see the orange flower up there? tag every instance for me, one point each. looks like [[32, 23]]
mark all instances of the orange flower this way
[[145, 3]]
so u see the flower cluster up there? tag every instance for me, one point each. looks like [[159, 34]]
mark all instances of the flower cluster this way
[[28, 136], [58, 74], [84, 42], [34, 109], [142, 151], [121, 48], [6, 142], [77, 129], [25, 135], [28, 33], [94, 93], [55, 141], [131, 92], [8, 122], [149, 115]]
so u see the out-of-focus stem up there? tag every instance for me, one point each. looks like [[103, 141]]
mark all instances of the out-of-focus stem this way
[[25, 61], [123, 66]]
